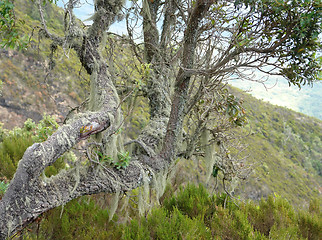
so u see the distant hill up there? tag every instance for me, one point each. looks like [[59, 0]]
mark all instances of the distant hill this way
[[285, 145], [306, 100]]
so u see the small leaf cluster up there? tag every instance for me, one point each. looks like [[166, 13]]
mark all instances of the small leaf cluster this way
[[231, 106], [145, 70], [123, 159], [3, 187], [235, 110], [225, 104], [103, 158], [43, 129]]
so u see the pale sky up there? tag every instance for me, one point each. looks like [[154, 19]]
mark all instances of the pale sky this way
[[307, 100]]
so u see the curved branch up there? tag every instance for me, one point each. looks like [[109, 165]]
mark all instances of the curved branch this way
[[21, 198], [55, 38]]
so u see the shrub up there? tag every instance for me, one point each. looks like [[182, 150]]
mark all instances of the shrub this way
[[191, 214], [79, 219], [161, 224], [309, 223], [193, 201], [232, 225], [12, 149], [15, 143]]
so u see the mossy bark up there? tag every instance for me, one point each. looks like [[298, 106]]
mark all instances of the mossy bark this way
[[29, 194]]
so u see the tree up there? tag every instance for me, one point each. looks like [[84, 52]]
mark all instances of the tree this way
[[190, 48]]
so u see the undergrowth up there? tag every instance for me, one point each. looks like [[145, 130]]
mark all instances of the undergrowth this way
[[191, 213]]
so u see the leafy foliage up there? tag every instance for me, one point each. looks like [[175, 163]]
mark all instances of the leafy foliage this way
[[79, 219], [41, 131], [192, 200], [123, 159], [12, 149], [9, 27], [294, 28], [161, 224], [232, 106], [3, 187]]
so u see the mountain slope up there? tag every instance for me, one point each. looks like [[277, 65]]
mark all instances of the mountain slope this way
[[288, 147], [31, 86], [284, 149]]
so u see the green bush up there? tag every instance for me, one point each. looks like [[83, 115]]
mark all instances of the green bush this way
[[273, 218], [12, 149], [275, 211], [193, 201], [309, 223], [232, 225], [190, 214], [161, 224], [79, 219]]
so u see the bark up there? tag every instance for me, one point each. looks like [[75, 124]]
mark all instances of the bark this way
[[158, 85]]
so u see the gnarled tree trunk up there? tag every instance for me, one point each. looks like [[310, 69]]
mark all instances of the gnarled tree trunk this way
[[30, 194]]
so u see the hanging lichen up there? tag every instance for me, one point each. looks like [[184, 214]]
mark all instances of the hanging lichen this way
[[159, 183], [114, 204], [144, 195], [210, 152]]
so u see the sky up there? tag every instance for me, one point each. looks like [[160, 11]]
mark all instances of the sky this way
[[86, 10], [307, 100]]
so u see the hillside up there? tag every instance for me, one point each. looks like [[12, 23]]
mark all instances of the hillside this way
[[285, 146], [288, 147], [31, 87]]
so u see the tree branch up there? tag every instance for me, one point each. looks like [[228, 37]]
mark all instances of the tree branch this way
[[174, 127]]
